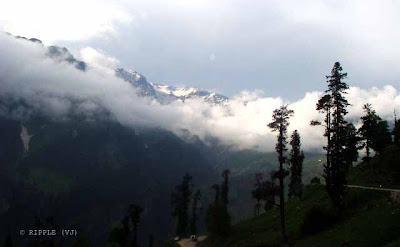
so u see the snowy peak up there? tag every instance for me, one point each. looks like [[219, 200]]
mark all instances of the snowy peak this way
[[182, 93], [138, 81], [130, 75], [162, 93], [174, 91]]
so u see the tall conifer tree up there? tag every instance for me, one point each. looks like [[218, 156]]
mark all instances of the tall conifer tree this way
[[279, 124], [296, 166], [396, 129], [225, 187], [334, 105], [134, 213], [257, 193], [337, 88], [324, 105], [352, 145], [180, 204], [369, 129], [195, 207], [383, 137]]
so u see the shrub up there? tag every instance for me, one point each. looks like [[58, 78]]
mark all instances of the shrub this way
[[218, 221], [317, 219], [315, 180]]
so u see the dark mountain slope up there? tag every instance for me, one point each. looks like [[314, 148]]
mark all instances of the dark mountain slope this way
[[86, 173]]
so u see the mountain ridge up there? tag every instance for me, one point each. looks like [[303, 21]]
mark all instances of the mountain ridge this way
[[164, 94]]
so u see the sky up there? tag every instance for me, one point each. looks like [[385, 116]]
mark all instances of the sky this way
[[284, 48]]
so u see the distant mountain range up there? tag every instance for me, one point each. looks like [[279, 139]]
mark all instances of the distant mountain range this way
[[164, 94]]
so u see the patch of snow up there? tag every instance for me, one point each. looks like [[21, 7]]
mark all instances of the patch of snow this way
[[25, 137]]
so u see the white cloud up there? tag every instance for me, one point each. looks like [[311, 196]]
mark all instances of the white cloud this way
[[98, 59], [52, 20], [26, 73]]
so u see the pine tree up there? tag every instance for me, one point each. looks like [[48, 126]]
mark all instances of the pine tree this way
[[296, 166], [218, 220], [334, 105], [125, 232], [383, 138], [225, 187], [180, 204], [352, 145], [324, 105], [396, 130], [337, 88], [279, 124], [134, 214], [265, 191], [269, 191], [369, 129], [216, 188], [257, 192], [195, 205], [121, 236]]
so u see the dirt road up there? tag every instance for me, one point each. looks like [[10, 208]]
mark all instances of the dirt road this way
[[373, 188], [186, 242]]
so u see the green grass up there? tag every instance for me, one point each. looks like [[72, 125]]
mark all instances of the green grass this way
[[395, 243], [369, 217], [369, 220], [376, 224], [382, 170]]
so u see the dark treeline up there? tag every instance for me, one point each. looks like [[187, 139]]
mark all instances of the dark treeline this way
[[127, 235], [343, 142], [218, 220], [182, 200]]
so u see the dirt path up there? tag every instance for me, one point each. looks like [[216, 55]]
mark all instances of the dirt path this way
[[186, 242], [373, 188]]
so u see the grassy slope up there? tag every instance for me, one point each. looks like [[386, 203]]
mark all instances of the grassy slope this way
[[370, 219], [386, 171]]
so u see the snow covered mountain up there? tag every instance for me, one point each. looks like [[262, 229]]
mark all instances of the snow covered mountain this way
[[164, 94], [167, 93], [137, 80]]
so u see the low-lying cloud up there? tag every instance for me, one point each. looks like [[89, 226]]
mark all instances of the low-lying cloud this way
[[27, 73]]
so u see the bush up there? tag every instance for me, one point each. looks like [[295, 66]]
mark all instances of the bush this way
[[317, 219], [356, 198], [218, 221], [315, 180]]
